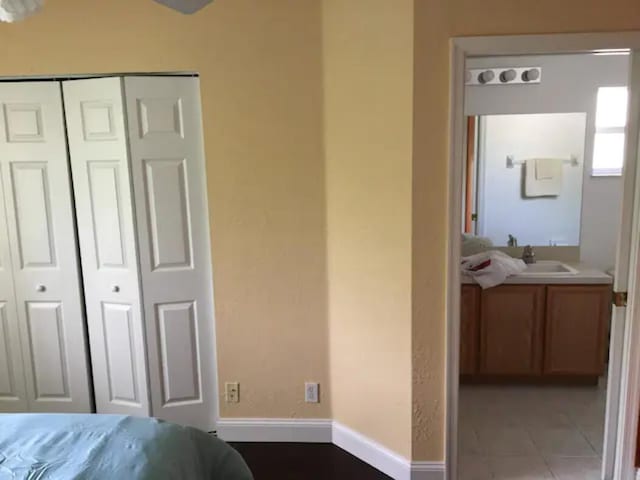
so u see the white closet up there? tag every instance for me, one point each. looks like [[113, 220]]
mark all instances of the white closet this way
[[43, 354], [138, 176]]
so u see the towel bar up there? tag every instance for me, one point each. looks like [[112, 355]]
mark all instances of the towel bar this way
[[511, 162]]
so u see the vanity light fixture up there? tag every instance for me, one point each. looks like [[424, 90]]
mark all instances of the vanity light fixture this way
[[503, 76]]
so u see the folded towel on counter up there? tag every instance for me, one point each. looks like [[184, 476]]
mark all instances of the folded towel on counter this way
[[543, 177], [491, 268]]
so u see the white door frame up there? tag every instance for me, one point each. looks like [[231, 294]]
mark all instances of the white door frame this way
[[629, 377]]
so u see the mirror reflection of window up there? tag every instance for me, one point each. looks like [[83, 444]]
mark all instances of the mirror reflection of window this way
[[611, 120]]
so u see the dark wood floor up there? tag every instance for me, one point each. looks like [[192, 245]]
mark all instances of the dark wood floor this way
[[304, 461]]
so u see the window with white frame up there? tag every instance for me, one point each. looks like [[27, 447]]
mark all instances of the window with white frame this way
[[611, 119]]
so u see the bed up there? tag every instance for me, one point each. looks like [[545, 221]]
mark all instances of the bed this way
[[101, 447]]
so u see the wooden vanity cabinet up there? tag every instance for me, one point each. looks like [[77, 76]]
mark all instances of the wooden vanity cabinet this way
[[534, 332], [576, 329], [511, 330]]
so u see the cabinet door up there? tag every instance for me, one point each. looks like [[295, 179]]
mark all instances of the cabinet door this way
[[511, 328], [104, 209], [469, 329], [576, 331], [33, 154], [169, 183]]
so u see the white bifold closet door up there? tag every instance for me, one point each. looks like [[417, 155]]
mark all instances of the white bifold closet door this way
[[43, 365], [138, 166], [104, 210]]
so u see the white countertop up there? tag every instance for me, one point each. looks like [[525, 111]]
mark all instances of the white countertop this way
[[586, 276]]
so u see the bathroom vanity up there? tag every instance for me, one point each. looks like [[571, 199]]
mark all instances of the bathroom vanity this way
[[548, 325]]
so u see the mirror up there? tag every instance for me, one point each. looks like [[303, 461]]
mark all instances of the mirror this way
[[524, 177]]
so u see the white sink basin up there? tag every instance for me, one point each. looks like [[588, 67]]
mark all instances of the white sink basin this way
[[544, 268]]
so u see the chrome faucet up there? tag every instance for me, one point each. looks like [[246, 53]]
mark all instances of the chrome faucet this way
[[528, 255]]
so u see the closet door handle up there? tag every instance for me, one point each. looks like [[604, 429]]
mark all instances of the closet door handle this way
[[115, 289], [41, 288]]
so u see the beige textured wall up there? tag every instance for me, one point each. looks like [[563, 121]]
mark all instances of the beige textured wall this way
[[435, 22], [260, 66], [368, 70]]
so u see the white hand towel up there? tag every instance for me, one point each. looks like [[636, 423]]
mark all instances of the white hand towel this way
[[14, 10], [543, 177], [547, 168]]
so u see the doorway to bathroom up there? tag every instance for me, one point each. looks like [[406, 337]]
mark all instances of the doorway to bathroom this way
[[539, 372]]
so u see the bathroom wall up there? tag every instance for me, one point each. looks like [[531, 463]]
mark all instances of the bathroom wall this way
[[503, 208], [569, 84]]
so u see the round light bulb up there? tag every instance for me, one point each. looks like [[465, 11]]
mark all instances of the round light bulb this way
[[531, 75], [486, 76], [508, 76]]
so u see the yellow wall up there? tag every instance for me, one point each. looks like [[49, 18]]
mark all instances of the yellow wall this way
[[435, 22], [260, 66], [368, 75]]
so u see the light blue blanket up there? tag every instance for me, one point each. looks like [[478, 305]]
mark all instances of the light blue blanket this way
[[111, 447]]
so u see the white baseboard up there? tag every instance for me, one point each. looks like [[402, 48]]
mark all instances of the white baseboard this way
[[383, 459], [299, 430], [328, 431], [371, 452], [427, 471]]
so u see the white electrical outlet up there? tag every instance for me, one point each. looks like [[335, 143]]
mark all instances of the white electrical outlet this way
[[311, 392], [232, 392]]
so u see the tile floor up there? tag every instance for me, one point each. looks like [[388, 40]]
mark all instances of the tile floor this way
[[531, 433]]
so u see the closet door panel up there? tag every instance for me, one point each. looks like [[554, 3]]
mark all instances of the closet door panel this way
[[179, 356], [7, 370], [42, 237], [169, 179], [168, 211], [13, 395], [121, 354], [105, 197], [100, 165], [47, 347], [32, 202]]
